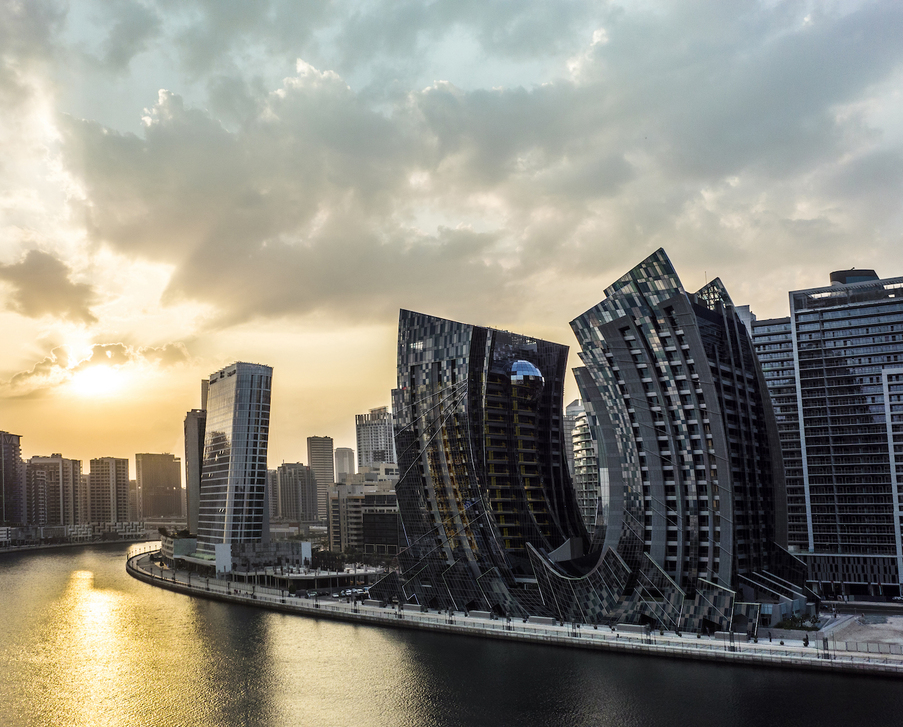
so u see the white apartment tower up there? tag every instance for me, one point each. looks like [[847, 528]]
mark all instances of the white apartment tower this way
[[375, 437]]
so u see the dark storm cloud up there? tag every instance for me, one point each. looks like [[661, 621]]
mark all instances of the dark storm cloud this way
[[41, 286]]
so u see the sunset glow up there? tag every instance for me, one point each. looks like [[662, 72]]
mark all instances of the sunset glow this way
[[97, 381], [185, 185]]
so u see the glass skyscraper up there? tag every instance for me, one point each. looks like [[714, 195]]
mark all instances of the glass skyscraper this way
[[692, 520], [483, 476], [688, 522], [834, 369], [234, 475]]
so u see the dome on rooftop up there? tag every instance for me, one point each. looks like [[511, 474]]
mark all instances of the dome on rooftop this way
[[524, 372]]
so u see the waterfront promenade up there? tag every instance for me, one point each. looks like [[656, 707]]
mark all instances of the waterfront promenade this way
[[839, 656]]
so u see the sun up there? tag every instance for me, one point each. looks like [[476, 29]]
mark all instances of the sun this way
[[97, 381]]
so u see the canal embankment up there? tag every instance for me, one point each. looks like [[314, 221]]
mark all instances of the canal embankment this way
[[825, 653]]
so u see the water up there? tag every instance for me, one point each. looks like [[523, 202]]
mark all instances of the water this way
[[82, 643]]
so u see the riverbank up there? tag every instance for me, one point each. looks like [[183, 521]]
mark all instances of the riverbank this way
[[56, 546], [829, 655]]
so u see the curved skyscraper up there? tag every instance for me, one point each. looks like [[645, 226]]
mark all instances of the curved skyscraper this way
[[483, 474], [694, 514]]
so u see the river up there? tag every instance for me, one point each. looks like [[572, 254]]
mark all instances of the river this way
[[85, 644]]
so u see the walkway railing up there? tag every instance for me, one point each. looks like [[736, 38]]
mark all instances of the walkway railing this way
[[571, 634]]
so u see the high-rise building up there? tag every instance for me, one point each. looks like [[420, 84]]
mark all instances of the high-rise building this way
[[484, 486], [375, 437], [12, 480], [195, 429], [134, 502], [571, 412], [380, 523], [585, 477], [834, 368], [159, 479], [54, 491], [108, 490], [344, 462], [320, 459], [273, 494], [37, 494], [297, 492], [233, 498], [692, 523], [363, 512]]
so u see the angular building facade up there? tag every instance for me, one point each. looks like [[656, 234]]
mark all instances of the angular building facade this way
[[834, 368], [233, 500], [692, 521], [483, 485]]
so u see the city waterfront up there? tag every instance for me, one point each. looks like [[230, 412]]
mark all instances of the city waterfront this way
[[83, 643]]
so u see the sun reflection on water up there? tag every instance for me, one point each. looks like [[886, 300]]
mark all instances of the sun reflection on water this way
[[102, 659]]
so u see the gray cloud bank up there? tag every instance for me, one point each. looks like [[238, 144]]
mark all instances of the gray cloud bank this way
[[738, 133], [41, 286]]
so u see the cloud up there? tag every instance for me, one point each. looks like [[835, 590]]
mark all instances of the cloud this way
[[133, 27], [723, 132], [41, 286], [47, 373], [60, 366], [167, 355]]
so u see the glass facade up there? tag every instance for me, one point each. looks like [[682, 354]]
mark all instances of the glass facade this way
[[693, 518], [159, 479], [234, 475], [483, 474], [832, 369], [195, 428], [678, 440]]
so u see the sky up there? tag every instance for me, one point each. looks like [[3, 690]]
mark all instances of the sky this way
[[187, 183]]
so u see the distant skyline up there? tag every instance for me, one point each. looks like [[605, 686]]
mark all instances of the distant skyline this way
[[187, 185]]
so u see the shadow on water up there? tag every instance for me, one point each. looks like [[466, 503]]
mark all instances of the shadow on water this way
[[83, 643]]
